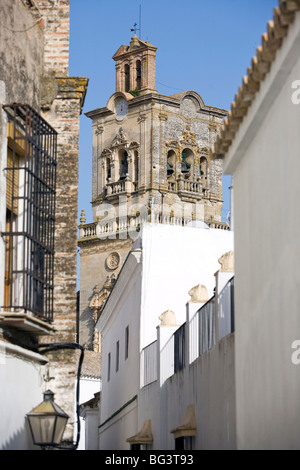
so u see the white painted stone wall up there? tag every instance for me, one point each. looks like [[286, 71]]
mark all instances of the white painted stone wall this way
[[164, 265], [175, 259], [88, 387], [19, 367], [264, 160], [122, 311]]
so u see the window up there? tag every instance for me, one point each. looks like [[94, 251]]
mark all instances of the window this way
[[117, 355], [108, 367], [138, 74], [127, 78], [126, 342], [30, 203]]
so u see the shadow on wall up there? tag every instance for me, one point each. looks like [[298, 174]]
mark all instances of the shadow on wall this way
[[86, 326], [20, 440]]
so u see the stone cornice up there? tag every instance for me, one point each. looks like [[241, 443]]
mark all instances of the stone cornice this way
[[72, 87], [159, 99]]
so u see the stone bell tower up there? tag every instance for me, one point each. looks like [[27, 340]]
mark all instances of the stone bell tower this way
[[151, 163], [135, 67]]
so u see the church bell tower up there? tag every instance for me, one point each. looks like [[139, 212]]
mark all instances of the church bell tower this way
[[135, 67], [151, 163]]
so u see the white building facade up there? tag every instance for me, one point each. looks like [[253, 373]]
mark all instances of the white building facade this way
[[159, 348], [263, 157]]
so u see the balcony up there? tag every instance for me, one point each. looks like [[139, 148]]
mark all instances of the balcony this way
[[192, 189], [129, 226], [122, 187], [30, 221]]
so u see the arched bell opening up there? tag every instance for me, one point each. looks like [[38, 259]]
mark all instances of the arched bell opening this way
[[187, 162]]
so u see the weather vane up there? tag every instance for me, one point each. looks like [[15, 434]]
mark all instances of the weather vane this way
[[135, 29]]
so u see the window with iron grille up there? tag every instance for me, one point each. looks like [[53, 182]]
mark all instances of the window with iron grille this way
[[30, 209]]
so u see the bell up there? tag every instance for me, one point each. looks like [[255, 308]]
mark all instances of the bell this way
[[185, 166], [170, 170], [125, 167]]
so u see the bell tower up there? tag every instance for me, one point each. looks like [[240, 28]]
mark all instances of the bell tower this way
[[135, 67], [151, 164]]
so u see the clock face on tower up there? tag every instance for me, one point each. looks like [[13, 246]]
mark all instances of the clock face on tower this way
[[121, 109]]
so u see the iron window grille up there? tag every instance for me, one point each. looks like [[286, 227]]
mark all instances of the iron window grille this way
[[31, 220]]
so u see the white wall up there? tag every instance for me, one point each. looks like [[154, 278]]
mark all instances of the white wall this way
[[17, 368], [88, 387], [175, 259], [207, 383], [122, 310], [114, 433], [267, 251], [172, 261]]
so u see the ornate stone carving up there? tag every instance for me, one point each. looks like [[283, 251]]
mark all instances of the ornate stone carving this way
[[199, 294], [99, 129], [120, 139], [172, 144], [163, 116], [100, 295], [142, 117], [113, 260], [227, 262], [106, 153], [134, 145], [167, 318], [188, 138]]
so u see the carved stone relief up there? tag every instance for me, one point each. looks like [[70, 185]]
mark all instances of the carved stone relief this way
[[99, 298], [113, 260]]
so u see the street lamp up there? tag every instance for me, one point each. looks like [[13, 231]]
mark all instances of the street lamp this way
[[47, 422]]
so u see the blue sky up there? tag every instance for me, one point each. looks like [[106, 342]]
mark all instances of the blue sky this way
[[203, 45]]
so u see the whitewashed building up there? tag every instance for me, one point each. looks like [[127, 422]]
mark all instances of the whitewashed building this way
[[260, 145], [161, 367]]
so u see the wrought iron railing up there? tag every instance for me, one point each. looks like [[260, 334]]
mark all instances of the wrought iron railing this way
[[149, 355], [226, 309], [207, 326], [29, 234]]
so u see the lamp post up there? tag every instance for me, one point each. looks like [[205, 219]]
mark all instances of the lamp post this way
[[47, 422]]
